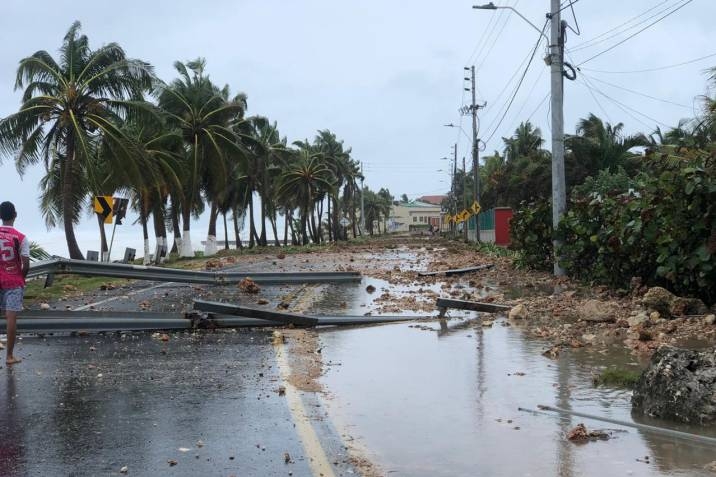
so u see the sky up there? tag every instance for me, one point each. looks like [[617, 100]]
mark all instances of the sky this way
[[385, 76]]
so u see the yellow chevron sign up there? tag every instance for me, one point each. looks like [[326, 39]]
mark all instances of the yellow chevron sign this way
[[103, 207], [475, 208]]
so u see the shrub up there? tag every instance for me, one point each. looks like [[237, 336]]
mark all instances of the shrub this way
[[531, 234]]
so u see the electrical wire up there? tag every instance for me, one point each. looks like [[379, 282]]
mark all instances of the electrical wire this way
[[517, 89], [649, 70], [636, 33], [539, 105], [588, 43], [624, 108], [592, 78], [494, 42]]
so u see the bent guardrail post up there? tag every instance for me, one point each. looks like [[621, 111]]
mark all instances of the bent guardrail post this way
[[456, 271], [275, 316]]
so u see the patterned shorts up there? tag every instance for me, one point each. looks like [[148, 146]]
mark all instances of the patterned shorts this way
[[11, 299]]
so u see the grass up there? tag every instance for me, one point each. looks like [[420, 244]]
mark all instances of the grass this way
[[490, 249], [618, 377], [67, 285]]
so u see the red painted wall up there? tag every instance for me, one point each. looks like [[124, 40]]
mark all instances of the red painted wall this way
[[502, 225]]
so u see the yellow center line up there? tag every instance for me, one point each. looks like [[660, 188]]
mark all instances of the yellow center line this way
[[315, 453]]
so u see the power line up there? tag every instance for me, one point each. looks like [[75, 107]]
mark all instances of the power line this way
[[539, 105], [517, 89], [593, 41], [635, 34], [494, 42], [649, 70], [638, 93], [622, 105]]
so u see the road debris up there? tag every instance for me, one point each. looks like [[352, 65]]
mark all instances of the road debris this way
[[581, 434], [249, 286]]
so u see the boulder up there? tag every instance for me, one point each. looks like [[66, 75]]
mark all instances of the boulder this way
[[659, 299], [679, 384], [599, 311], [669, 305], [710, 319], [518, 312]]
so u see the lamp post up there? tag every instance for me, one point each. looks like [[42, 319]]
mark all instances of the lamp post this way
[[556, 62]]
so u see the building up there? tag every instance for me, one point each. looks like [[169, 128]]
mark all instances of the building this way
[[413, 216], [433, 199]]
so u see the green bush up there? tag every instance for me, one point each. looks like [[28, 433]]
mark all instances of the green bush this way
[[531, 234], [659, 226]]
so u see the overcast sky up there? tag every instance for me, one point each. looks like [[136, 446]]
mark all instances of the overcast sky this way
[[383, 75]]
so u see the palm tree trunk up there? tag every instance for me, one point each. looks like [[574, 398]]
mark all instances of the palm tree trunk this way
[[262, 239], [211, 247], [286, 220], [186, 249], [330, 222], [239, 244], [175, 229], [226, 233], [145, 231], [160, 233], [252, 229], [272, 220], [67, 188], [102, 239]]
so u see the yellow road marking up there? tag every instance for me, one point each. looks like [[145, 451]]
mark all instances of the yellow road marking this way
[[317, 458]]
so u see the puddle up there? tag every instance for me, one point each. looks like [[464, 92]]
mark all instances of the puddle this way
[[445, 403]]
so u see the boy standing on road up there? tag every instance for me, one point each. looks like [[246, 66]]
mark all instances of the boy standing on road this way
[[14, 265]]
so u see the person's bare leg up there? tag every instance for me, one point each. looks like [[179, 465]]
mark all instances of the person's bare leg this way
[[11, 317]]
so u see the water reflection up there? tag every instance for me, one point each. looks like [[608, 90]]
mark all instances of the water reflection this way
[[12, 452]]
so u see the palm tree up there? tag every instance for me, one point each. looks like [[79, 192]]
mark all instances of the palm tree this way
[[598, 145], [204, 114], [306, 180], [65, 106]]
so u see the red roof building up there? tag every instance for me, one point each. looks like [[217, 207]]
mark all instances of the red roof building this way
[[433, 199]]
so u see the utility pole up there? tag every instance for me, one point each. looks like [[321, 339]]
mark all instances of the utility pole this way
[[454, 189], [559, 198], [464, 198], [472, 109], [362, 204], [556, 62]]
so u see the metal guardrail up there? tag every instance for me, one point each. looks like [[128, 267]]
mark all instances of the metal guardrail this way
[[121, 270], [51, 321]]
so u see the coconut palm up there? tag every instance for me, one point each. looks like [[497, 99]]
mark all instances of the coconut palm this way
[[307, 180], [66, 104], [204, 114]]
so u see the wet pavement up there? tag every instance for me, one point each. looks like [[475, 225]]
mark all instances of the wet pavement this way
[[417, 399], [429, 403], [92, 405]]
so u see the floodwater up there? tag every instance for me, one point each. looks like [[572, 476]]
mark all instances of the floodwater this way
[[432, 402]]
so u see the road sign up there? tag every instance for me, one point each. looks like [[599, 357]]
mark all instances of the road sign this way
[[103, 206], [119, 208], [475, 208], [344, 222]]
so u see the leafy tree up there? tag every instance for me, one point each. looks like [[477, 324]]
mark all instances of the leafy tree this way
[[66, 105]]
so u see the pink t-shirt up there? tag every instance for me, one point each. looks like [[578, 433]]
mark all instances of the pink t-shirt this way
[[13, 246]]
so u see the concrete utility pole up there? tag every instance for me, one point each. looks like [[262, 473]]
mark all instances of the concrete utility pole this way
[[559, 197], [556, 62]]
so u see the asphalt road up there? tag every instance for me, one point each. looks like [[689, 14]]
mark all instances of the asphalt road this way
[[204, 403]]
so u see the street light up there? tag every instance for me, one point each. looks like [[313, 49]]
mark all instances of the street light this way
[[451, 125], [492, 6]]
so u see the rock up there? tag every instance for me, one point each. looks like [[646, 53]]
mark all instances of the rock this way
[[637, 320], [711, 466], [655, 316], [124, 470], [44, 306], [518, 312], [370, 288], [598, 311], [679, 384], [580, 434], [588, 338], [687, 306], [659, 299], [710, 319], [249, 286]]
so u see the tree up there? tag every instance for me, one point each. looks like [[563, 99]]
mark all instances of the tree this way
[[306, 180], [66, 105], [204, 114]]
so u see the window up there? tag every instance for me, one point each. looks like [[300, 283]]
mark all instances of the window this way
[[415, 219]]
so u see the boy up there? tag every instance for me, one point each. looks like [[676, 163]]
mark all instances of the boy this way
[[14, 265]]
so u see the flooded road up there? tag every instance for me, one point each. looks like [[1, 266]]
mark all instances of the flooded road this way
[[428, 403]]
